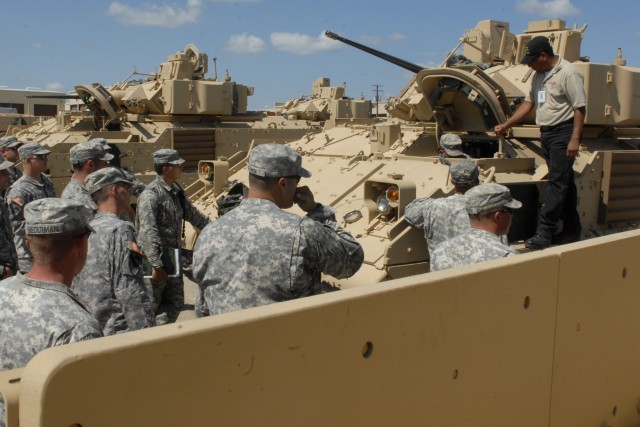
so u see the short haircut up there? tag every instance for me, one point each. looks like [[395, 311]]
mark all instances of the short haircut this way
[[49, 248], [102, 194], [263, 182], [158, 167], [77, 166]]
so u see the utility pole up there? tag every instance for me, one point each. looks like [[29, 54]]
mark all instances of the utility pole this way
[[377, 98]]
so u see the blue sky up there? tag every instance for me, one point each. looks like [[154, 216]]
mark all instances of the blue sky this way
[[275, 46]]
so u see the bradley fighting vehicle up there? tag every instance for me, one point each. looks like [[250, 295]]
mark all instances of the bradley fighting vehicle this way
[[369, 173], [176, 107], [326, 103], [547, 338]]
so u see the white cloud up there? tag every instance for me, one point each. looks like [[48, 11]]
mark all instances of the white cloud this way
[[245, 43], [57, 86], [168, 16], [549, 8], [303, 44], [370, 40], [396, 37], [36, 45]]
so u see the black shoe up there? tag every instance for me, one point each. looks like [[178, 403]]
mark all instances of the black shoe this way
[[567, 237], [538, 241]]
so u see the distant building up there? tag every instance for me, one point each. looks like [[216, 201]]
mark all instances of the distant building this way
[[74, 105], [27, 101], [379, 110]]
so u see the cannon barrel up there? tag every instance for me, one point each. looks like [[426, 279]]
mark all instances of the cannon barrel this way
[[400, 62]]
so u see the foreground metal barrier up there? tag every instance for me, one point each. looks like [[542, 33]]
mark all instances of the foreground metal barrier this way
[[543, 339]]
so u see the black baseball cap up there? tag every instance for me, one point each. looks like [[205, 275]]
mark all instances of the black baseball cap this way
[[534, 48]]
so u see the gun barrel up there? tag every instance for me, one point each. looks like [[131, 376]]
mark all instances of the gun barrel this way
[[389, 58]]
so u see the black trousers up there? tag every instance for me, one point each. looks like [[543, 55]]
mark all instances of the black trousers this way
[[561, 193]]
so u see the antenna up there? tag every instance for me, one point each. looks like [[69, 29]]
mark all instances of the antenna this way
[[215, 69]]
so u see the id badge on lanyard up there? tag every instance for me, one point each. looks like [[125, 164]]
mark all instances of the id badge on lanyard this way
[[542, 96]]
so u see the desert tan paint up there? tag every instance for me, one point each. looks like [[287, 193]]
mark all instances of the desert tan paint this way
[[546, 338]]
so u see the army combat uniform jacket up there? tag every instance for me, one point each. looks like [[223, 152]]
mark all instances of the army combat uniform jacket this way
[[110, 284], [8, 256], [442, 219], [14, 175], [75, 190], [469, 248], [258, 254], [160, 212], [23, 191], [35, 315]]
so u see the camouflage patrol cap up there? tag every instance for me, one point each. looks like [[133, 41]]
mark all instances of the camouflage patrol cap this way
[[89, 150], [451, 144], [167, 156], [486, 198], [6, 140], [32, 149], [6, 164], [276, 160], [464, 172], [103, 178], [14, 144], [54, 216], [102, 142]]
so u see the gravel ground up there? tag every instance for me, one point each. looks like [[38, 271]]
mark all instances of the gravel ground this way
[[190, 294]]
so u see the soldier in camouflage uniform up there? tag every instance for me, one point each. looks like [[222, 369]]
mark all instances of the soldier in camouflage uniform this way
[[8, 255], [162, 208], [38, 310], [451, 147], [259, 254], [138, 186], [490, 208], [85, 157], [111, 285], [9, 148], [445, 218], [33, 185]]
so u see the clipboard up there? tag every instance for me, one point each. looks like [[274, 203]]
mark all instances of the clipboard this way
[[170, 262]]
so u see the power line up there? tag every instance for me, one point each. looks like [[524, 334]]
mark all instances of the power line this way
[[377, 98]]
